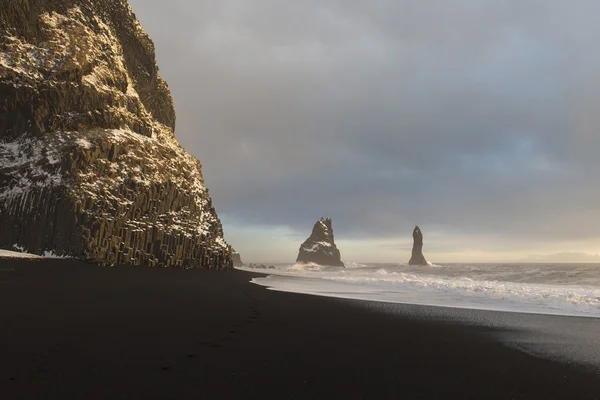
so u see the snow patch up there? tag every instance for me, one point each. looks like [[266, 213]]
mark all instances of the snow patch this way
[[52, 254], [16, 254], [325, 247], [20, 252]]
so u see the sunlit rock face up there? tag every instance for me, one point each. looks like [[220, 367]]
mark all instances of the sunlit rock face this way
[[320, 247], [417, 251], [89, 163]]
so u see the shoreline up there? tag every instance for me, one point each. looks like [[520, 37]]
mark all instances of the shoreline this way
[[80, 331], [484, 290], [453, 307]]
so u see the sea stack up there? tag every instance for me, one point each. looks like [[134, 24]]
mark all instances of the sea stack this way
[[237, 259], [89, 164], [320, 247], [417, 250]]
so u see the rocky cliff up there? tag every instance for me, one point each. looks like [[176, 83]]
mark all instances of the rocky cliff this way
[[320, 247], [417, 251], [89, 164]]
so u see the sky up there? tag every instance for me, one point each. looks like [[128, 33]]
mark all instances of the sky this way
[[474, 119]]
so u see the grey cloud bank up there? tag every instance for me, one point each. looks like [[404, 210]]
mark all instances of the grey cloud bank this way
[[474, 119]]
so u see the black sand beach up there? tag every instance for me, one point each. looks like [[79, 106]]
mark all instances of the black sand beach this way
[[73, 331]]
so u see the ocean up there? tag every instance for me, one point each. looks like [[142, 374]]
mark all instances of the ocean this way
[[556, 289]]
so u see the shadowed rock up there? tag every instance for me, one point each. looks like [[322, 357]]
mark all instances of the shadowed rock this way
[[260, 266], [320, 247], [89, 163], [417, 250], [237, 259]]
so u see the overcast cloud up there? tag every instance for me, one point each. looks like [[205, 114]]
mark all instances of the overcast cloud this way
[[475, 119]]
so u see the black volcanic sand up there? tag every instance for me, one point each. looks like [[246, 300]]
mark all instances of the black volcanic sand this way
[[73, 331]]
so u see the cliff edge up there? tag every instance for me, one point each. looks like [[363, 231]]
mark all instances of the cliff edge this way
[[89, 163]]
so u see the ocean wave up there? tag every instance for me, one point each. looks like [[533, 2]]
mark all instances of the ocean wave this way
[[504, 287], [499, 290], [355, 265], [306, 267]]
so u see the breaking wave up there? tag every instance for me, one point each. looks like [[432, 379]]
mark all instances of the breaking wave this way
[[565, 289]]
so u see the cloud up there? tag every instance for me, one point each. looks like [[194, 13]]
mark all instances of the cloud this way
[[470, 118]]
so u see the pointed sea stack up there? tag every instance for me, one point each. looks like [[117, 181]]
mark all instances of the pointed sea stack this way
[[320, 247], [89, 164], [417, 250]]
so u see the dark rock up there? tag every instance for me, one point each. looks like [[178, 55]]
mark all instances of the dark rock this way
[[260, 266], [320, 247], [417, 250], [237, 259], [89, 163]]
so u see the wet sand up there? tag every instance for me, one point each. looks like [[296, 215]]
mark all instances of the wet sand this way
[[74, 331]]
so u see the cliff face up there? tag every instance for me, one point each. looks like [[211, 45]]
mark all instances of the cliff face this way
[[417, 251], [320, 247], [89, 164]]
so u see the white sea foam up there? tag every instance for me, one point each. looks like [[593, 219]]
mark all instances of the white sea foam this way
[[549, 289], [306, 267]]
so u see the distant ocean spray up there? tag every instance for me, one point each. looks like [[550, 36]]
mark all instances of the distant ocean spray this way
[[562, 289]]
